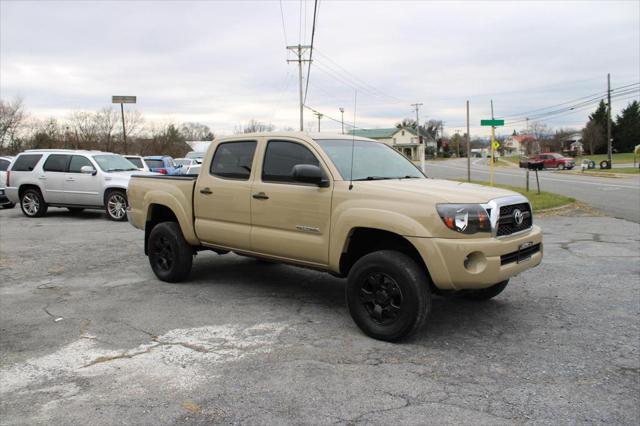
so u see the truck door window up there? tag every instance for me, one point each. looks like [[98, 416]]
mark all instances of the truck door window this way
[[233, 160], [56, 163], [77, 161], [280, 158]]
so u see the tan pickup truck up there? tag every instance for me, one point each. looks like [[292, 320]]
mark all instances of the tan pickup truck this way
[[355, 208]]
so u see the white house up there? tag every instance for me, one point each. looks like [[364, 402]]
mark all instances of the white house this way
[[402, 139]]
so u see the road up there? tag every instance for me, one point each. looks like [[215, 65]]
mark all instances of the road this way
[[89, 335], [618, 197]]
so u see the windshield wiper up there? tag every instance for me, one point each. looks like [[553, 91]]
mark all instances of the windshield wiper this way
[[375, 178], [119, 170]]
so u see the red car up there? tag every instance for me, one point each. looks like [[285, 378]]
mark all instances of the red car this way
[[549, 160]]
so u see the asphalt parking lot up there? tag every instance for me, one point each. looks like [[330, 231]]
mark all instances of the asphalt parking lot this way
[[88, 335]]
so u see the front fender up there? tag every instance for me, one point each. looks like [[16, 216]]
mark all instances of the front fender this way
[[384, 220]]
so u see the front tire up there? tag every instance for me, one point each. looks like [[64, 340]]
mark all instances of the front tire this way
[[115, 205], [484, 293], [32, 203], [170, 255], [388, 295]]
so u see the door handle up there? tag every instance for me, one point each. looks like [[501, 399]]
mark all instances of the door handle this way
[[260, 196], [206, 191], [42, 178], [70, 179]]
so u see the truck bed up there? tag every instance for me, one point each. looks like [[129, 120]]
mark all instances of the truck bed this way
[[173, 192]]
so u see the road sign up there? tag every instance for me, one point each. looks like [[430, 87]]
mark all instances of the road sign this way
[[123, 99], [496, 145], [492, 122]]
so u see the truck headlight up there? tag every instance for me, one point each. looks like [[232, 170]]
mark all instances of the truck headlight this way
[[465, 218]]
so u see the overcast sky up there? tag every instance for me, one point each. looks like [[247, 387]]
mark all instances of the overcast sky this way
[[224, 62]]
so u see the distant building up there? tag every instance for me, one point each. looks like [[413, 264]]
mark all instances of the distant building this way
[[402, 139], [517, 145], [199, 146], [572, 144]]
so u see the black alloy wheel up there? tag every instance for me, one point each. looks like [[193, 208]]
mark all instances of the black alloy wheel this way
[[388, 295], [170, 256]]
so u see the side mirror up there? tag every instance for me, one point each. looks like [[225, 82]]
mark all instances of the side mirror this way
[[308, 173], [88, 170]]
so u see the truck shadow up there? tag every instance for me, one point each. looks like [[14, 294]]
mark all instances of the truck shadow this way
[[450, 318]]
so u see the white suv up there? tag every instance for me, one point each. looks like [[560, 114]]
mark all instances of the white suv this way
[[73, 179], [5, 162]]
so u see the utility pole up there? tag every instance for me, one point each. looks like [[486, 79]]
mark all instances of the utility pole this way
[[342, 119], [493, 138], [319, 118], [421, 145], [299, 50], [468, 147], [609, 147]]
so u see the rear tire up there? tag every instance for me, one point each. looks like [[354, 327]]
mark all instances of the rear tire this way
[[170, 255], [388, 295], [32, 203], [484, 293], [115, 205]]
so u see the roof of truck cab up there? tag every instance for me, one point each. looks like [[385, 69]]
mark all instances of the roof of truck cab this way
[[303, 135]]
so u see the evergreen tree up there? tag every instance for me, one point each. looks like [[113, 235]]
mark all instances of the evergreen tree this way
[[598, 120], [626, 131]]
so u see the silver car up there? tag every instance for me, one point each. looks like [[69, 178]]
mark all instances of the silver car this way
[[73, 179]]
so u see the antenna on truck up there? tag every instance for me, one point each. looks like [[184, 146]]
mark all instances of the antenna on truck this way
[[353, 139]]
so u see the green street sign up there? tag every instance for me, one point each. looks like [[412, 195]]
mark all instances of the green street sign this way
[[492, 122]]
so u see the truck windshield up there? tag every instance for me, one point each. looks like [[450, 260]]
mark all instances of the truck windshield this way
[[371, 160], [114, 163]]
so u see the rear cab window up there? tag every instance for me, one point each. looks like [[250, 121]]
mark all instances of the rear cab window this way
[[26, 162], [56, 163], [281, 156], [233, 160]]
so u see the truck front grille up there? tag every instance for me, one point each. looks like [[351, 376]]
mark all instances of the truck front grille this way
[[520, 255], [507, 222]]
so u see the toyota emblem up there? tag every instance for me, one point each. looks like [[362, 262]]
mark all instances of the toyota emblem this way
[[518, 216]]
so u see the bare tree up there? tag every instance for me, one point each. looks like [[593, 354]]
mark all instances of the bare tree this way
[[11, 118], [254, 126], [196, 132], [85, 129], [540, 133], [106, 121]]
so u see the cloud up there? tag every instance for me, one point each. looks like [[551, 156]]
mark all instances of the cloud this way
[[222, 63]]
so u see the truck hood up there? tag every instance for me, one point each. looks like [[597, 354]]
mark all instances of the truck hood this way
[[441, 191]]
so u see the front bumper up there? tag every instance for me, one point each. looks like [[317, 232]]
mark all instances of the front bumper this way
[[460, 264]]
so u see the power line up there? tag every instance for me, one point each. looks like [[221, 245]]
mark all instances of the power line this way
[[313, 34], [284, 31], [357, 81], [587, 103]]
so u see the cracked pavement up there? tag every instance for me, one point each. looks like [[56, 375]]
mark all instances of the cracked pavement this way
[[88, 335]]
